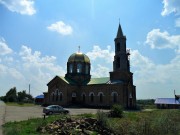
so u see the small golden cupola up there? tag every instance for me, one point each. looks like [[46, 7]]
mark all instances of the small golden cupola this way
[[78, 68]]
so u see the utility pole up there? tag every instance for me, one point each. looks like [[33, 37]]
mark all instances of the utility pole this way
[[29, 89]]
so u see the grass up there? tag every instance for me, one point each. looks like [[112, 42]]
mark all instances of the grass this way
[[156, 122], [28, 126], [19, 104]]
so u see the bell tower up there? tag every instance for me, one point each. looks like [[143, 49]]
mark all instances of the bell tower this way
[[121, 66], [121, 74], [121, 62]]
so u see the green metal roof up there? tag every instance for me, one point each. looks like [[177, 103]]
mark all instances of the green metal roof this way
[[102, 80]]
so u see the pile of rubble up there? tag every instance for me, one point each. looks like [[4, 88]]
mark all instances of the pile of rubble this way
[[68, 126]]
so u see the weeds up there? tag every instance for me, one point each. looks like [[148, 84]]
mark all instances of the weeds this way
[[102, 118]]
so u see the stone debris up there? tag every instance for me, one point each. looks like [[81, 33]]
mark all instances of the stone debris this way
[[68, 126]]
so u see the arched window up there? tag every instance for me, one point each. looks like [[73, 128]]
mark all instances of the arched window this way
[[91, 94], [79, 68], [60, 96], [84, 98], [87, 69], [118, 62], [56, 97], [70, 68], [92, 97], [101, 98], [118, 47], [83, 95], [52, 96], [100, 94], [114, 96]]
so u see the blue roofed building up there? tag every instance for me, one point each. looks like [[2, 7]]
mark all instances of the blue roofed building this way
[[168, 103], [39, 99]]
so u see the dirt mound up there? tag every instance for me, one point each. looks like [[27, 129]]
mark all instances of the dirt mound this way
[[69, 126]]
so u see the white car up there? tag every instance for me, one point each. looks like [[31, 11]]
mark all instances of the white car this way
[[54, 109]]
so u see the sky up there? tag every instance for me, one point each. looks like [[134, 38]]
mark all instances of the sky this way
[[37, 38]]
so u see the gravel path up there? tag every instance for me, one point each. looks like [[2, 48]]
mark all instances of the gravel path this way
[[16, 113]]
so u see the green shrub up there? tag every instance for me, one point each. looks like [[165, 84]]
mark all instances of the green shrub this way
[[102, 118], [116, 111]]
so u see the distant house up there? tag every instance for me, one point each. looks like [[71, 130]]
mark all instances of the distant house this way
[[168, 103], [39, 99]]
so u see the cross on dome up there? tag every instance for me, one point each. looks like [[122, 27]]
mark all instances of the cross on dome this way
[[79, 49]]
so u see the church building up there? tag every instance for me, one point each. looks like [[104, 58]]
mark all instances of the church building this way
[[78, 88]]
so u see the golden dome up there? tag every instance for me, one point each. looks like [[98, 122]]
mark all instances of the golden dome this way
[[79, 57]]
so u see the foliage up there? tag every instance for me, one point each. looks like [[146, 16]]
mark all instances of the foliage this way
[[29, 126], [102, 117], [24, 97], [166, 120], [116, 111], [2, 98], [13, 96], [145, 103], [157, 122]]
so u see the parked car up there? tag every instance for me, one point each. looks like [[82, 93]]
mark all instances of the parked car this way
[[54, 109]]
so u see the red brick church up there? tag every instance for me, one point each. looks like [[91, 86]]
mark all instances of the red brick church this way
[[78, 88]]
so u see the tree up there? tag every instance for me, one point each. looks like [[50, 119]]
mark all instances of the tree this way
[[21, 96], [24, 97], [11, 95]]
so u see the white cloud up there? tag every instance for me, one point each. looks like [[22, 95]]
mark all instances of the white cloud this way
[[29, 57], [139, 61], [177, 22], [39, 69], [171, 6], [155, 80], [161, 40], [61, 28], [100, 71], [97, 52], [24, 7], [10, 72], [44, 64], [15, 74], [147, 71], [8, 59], [4, 49], [27, 66]]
